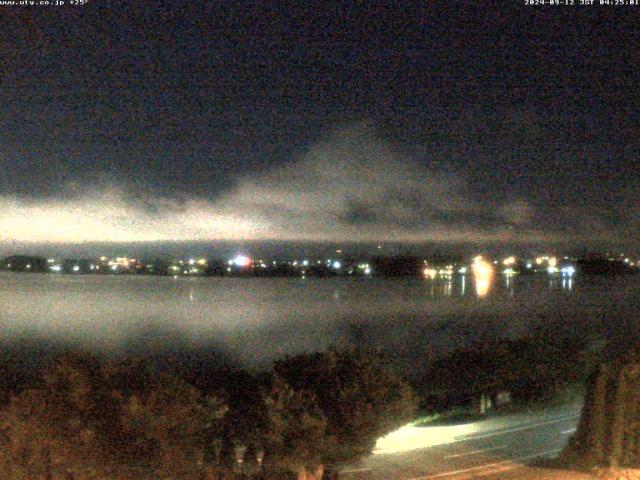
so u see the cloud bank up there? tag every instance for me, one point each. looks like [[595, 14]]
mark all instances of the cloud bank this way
[[350, 186]]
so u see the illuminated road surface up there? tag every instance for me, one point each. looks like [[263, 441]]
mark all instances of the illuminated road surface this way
[[468, 450]]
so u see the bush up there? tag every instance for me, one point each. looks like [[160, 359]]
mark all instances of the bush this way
[[345, 400]]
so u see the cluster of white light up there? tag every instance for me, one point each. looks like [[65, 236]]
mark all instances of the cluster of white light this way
[[365, 267], [124, 262], [240, 261], [430, 273], [447, 271]]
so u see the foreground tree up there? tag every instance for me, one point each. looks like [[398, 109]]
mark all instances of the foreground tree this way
[[169, 423], [70, 402], [332, 407], [297, 435], [76, 420], [609, 430]]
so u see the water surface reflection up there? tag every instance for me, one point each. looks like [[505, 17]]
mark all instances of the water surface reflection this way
[[258, 320]]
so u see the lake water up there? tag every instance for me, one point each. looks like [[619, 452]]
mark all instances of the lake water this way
[[254, 320]]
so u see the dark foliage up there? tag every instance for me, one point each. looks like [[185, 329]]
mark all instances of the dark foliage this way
[[400, 266], [360, 399], [609, 430]]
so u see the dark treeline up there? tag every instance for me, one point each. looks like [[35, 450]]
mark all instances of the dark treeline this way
[[599, 265], [400, 266], [24, 263], [186, 412], [69, 414], [533, 370]]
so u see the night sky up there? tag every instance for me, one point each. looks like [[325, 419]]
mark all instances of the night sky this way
[[319, 121]]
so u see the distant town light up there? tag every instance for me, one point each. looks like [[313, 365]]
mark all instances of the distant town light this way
[[430, 273], [56, 268], [552, 269], [337, 265], [509, 261], [305, 263], [76, 268], [241, 261], [462, 270], [568, 270]]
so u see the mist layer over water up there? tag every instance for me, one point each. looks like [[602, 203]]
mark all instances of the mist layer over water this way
[[254, 321]]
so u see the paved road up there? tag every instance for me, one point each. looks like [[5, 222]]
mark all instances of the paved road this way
[[468, 451]]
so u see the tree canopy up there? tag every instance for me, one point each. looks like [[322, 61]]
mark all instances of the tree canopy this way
[[342, 402]]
